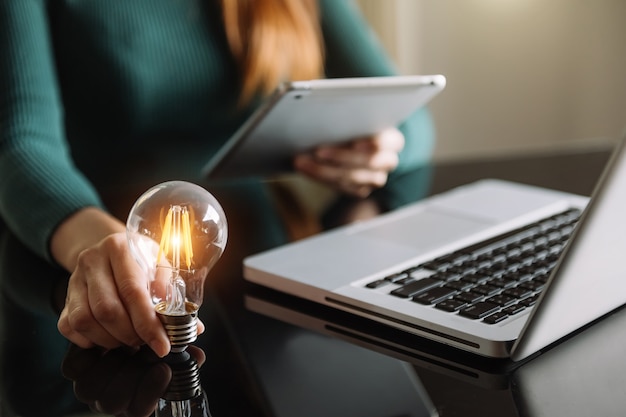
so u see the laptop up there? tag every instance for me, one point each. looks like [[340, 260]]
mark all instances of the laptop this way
[[495, 268]]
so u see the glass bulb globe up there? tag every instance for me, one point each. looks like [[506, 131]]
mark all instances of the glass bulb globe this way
[[177, 231]]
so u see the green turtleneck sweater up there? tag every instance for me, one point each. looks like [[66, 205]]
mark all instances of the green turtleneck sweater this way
[[99, 93]]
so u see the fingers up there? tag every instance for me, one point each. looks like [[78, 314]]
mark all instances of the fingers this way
[[111, 322], [75, 315], [391, 139], [132, 286], [93, 312], [201, 327], [108, 303], [357, 167], [379, 152], [358, 182]]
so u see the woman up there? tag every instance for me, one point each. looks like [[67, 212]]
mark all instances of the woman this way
[[99, 97]]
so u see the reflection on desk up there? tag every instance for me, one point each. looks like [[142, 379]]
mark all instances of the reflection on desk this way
[[299, 373], [581, 376], [136, 383], [307, 374]]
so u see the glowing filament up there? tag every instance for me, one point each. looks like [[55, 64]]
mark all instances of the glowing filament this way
[[176, 247], [176, 238]]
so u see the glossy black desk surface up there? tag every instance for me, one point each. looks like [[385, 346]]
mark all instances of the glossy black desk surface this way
[[265, 354]]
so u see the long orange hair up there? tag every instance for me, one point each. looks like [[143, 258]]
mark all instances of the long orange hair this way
[[273, 41]]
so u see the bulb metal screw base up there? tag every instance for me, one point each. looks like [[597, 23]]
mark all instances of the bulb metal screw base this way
[[181, 329]]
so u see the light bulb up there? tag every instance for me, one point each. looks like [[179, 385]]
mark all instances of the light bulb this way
[[177, 231]]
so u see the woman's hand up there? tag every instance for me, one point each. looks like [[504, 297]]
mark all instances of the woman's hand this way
[[357, 167], [107, 302]]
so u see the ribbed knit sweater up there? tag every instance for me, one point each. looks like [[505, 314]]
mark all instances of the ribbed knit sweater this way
[[104, 92]]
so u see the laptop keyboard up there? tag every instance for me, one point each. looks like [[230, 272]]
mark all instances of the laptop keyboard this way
[[491, 280]]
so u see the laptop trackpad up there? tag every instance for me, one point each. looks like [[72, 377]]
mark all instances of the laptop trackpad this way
[[427, 230]]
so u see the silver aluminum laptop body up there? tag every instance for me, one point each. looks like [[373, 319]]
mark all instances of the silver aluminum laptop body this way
[[588, 281]]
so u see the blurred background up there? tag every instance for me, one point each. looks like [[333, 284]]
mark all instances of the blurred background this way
[[523, 75]]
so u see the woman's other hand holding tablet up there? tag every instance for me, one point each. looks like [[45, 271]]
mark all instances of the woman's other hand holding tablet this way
[[356, 167]]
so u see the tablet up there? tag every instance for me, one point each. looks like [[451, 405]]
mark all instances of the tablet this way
[[303, 114]]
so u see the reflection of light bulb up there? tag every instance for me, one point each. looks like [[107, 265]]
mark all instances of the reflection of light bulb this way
[[184, 396], [177, 231]]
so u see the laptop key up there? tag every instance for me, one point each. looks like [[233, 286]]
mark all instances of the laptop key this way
[[403, 281], [469, 297], [534, 285], [530, 301], [451, 305], [486, 289], [378, 283], [517, 292], [475, 278], [460, 285], [415, 287], [503, 282], [479, 310], [514, 309], [495, 317], [434, 295], [396, 277], [502, 300]]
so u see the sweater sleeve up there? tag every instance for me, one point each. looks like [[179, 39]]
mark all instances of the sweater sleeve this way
[[39, 185], [353, 50]]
